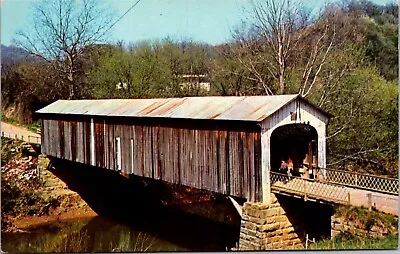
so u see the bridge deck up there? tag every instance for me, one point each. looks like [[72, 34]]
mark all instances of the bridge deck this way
[[333, 193], [309, 189]]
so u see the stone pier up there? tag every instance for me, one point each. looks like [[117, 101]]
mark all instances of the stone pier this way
[[283, 223], [266, 226]]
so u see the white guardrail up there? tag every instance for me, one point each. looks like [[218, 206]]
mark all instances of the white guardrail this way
[[28, 138]]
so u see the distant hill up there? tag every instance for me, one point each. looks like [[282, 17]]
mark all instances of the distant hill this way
[[13, 55]]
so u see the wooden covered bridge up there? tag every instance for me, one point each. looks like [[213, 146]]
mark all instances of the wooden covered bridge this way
[[228, 145]]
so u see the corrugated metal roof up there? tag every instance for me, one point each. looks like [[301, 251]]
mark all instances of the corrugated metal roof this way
[[244, 108]]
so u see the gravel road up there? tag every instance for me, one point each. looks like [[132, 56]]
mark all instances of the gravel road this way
[[22, 133]]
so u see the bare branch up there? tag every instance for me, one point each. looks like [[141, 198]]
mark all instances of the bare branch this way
[[61, 30]]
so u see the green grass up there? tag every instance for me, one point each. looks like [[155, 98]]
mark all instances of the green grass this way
[[8, 119], [345, 241], [368, 218]]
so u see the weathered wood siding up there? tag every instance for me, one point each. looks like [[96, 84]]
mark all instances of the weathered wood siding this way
[[224, 158], [305, 113]]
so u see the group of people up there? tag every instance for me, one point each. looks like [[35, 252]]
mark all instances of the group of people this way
[[286, 167]]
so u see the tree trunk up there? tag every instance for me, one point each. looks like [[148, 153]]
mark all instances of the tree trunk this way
[[70, 77], [281, 70]]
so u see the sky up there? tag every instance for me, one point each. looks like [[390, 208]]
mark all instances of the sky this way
[[209, 21]]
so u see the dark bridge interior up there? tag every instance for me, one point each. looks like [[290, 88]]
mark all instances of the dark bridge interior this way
[[295, 142]]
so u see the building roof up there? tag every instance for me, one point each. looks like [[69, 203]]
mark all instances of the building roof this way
[[242, 108]]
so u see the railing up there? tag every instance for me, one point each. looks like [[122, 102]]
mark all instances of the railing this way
[[309, 188], [28, 138], [362, 181]]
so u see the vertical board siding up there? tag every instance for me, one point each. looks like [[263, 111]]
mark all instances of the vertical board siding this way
[[222, 162], [61, 139], [137, 143], [125, 149], [67, 140], [73, 140], [147, 152], [257, 164], [99, 144], [86, 141], [156, 153], [44, 143], [221, 159], [79, 144]]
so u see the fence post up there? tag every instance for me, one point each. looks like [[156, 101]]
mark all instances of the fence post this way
[[356, 179], [369, 196], [348, 197], [305, 190], [306, 241], [2, 133]]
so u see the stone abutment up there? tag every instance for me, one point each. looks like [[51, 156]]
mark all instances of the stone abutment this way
[[283, 223]]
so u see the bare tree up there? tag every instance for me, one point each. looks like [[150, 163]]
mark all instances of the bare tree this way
[[282, 33], [280, 24], [319, 48], [61, 31]]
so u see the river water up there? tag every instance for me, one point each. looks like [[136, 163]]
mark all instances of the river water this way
[[138, 215], [98, 234], [169, 231]]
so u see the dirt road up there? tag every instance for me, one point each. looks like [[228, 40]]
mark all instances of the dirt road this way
[[382, 202], [9, 130]]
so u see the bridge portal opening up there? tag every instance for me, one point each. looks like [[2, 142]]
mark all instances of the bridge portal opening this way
[[296, 144]]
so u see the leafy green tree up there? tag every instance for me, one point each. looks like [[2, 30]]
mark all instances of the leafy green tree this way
[[229, 77], [365, 122], [382, 46], [150, 70], [379, 25], [29, 86]]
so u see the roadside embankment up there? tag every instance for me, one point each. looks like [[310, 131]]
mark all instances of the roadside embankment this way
[[30, 193]]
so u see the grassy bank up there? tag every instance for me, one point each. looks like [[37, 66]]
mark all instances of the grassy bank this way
[[368, 229], [345, 241]]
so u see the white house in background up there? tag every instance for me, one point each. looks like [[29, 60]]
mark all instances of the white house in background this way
[[194, 81], [121, 85]]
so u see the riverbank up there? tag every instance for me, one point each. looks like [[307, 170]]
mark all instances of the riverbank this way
[[23, 223], [31, 194]]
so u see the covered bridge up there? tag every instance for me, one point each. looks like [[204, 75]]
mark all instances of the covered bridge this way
[[227, 145]]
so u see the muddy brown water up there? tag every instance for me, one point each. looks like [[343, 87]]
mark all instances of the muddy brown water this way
[[170, 231], [98, 234], [134, 216]]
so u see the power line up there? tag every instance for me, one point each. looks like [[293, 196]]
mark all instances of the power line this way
[[123, 15]]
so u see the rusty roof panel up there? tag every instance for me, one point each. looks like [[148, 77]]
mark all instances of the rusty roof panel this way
[[244, 108]]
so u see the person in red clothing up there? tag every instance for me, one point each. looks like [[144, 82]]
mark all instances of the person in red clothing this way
[[290, 164]]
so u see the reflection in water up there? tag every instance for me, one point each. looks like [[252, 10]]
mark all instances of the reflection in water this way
[[96, 235], [171, 230], [145, 217]]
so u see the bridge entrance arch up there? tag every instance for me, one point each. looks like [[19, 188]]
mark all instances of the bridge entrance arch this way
[[297, 145]]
